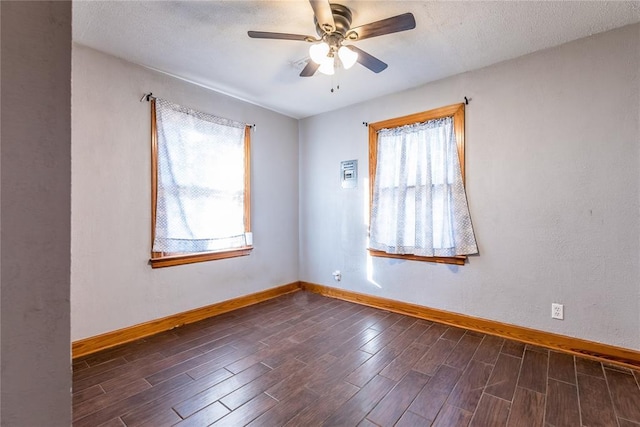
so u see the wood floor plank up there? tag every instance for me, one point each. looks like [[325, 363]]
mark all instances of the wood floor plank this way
[[388, 336], [389, 410], [595, 403], [279, 414], [148, 413], [243, 394], [209, 341], [533, 371], [407, 337], [187, 365], [589, 367], [431, 335], [142, 368], [562, 367], [100, 376], [463, 351], [247, 412], [617, 368], [513, 348], [562, 408], [451, 416], [123, 406], [491, 411], [432, 359], [205, 365], [402, 364], [270, 356], [296, 382], [527, 409], [116, 422], [454, 334], [355, 343], [79, 365], [467, 392], [503, 379], [307, 360], [100, 401], [87, 394], [387, 322], [206, 397], [205, 416], [98, 369], [430, 400], [626, 423], [489, 349], [335, 372], [330, 339], [537, 348], [161, 417], [356, 408], [372, 367], [625, 394], [327, 404], [409, 419]]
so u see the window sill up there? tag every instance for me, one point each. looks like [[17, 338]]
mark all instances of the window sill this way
[[159, 261], [455, 260]]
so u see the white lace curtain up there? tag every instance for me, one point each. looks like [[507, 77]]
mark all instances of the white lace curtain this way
[[419, 203], [200, 201]]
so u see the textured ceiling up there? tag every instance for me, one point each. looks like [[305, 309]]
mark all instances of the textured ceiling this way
[[207, 42]]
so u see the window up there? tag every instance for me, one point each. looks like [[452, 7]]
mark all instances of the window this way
[[200, 186], [416, 172]]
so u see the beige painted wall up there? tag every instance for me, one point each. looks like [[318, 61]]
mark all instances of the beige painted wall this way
[[553, 167], [112, 285], [35, 153]]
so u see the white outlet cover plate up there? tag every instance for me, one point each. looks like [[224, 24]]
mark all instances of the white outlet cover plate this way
[[557, 311]]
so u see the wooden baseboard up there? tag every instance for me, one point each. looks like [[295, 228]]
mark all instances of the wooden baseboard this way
[[602, 352], [132, 333]]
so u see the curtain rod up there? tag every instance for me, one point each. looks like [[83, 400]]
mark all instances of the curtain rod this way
[[149, 96]]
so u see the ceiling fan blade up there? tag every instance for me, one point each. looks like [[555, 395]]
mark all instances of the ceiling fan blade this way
[[369, 61], [280, 36], [395, 24], [310, 69], [324, 15]]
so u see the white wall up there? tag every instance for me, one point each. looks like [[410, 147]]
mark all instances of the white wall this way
[[36, 209], [112, 286], [553, 187]]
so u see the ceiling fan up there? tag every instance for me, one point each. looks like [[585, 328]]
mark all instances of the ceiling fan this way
[[333, 25]]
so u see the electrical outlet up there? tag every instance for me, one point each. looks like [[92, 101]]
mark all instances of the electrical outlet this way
[[337, 276], [557, 311]]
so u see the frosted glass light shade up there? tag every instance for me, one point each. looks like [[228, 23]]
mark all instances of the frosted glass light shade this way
[[326, 67], [347, 56], [318, 52]]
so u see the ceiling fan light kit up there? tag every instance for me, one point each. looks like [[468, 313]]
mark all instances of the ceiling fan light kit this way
[[347, 56], [318, 52], [333, 25]]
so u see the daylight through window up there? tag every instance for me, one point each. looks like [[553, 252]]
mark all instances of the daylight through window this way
[[418, 203], [200, 188]]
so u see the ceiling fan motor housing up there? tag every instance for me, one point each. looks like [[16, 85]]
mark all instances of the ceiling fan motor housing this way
[[342, 17]]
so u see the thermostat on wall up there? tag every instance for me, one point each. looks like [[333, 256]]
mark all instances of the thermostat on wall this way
[[349, 173]]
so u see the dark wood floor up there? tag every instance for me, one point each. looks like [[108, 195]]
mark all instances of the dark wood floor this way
[[305, 360]]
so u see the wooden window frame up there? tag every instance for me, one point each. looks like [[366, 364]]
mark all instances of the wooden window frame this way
[[457, 112], [167, 259]]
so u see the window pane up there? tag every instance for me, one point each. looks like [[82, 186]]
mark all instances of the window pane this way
[[418, 203], [201, 180]]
